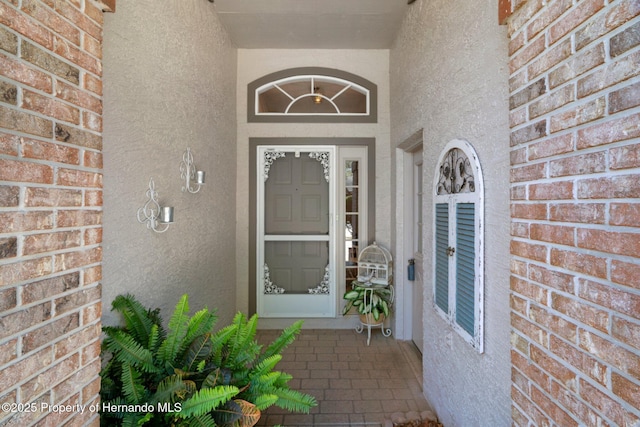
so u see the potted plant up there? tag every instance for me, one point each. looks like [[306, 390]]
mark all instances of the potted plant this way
[[373, 303], [190, 374]]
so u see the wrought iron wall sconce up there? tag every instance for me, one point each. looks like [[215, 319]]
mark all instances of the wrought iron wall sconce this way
[[189, 173], [152, 214]]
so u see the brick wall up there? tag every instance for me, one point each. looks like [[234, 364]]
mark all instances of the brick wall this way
[[50, 209], [575, 208]]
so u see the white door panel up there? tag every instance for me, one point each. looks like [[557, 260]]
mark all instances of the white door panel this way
[[296, 237]]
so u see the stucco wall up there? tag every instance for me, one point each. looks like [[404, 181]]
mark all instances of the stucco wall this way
[[170, 72], [252, 64], [449, 74]]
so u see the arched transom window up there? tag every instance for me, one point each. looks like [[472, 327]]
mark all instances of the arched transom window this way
[[306, 95], [312, 95]]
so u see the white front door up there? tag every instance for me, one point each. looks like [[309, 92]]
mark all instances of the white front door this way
[[417, 233], [296, 242]]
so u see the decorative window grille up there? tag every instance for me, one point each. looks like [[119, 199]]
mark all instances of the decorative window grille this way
[[458, 241], [312, 94]]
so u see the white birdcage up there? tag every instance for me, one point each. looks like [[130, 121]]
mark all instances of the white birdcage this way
[[375, 266]]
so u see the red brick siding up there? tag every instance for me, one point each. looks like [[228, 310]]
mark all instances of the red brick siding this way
[[575, 204], [50, 209]]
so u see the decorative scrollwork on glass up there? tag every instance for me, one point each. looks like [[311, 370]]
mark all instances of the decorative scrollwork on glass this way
[[269, 287], [456, 174], [323, 287], [270, 157], [323, 158]]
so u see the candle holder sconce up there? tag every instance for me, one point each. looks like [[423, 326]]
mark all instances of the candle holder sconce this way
[[154, 215], [190, 174]]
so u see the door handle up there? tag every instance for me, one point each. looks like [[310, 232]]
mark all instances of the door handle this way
[[450, 251]]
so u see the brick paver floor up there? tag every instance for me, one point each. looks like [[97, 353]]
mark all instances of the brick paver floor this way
[[354, 384]]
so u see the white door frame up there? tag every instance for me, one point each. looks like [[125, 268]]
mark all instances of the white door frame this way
[[368, 151], [297, 305], [404, 240]]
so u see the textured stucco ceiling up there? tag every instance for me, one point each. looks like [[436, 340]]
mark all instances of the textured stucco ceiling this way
[[311, 24]]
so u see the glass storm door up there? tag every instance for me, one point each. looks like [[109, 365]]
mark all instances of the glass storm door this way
[[296, 225]]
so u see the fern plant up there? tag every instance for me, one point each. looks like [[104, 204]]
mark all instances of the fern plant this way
[[189, 374]]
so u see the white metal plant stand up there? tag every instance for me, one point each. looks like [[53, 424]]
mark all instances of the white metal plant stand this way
[[367, 320], [375, 272]]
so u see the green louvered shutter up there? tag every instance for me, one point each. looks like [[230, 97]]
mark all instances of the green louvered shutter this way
[[465, 266], [442, 259]]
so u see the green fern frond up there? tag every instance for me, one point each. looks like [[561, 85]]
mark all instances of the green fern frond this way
[[125, 349], [239, 335], [244, 348], [177, 330], [219, 341], [265, 401], [263, 384], [248, 355], [241, 376], [206, 400], [287, 336], [251, 327], [266, 381], [293, 400], [134, 391], [135, 315], [154, 338], [265, 366], [155, 317], [200, 323], [283, 380], [108, 330]]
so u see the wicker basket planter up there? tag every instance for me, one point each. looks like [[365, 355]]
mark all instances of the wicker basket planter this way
[[367, 319]]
